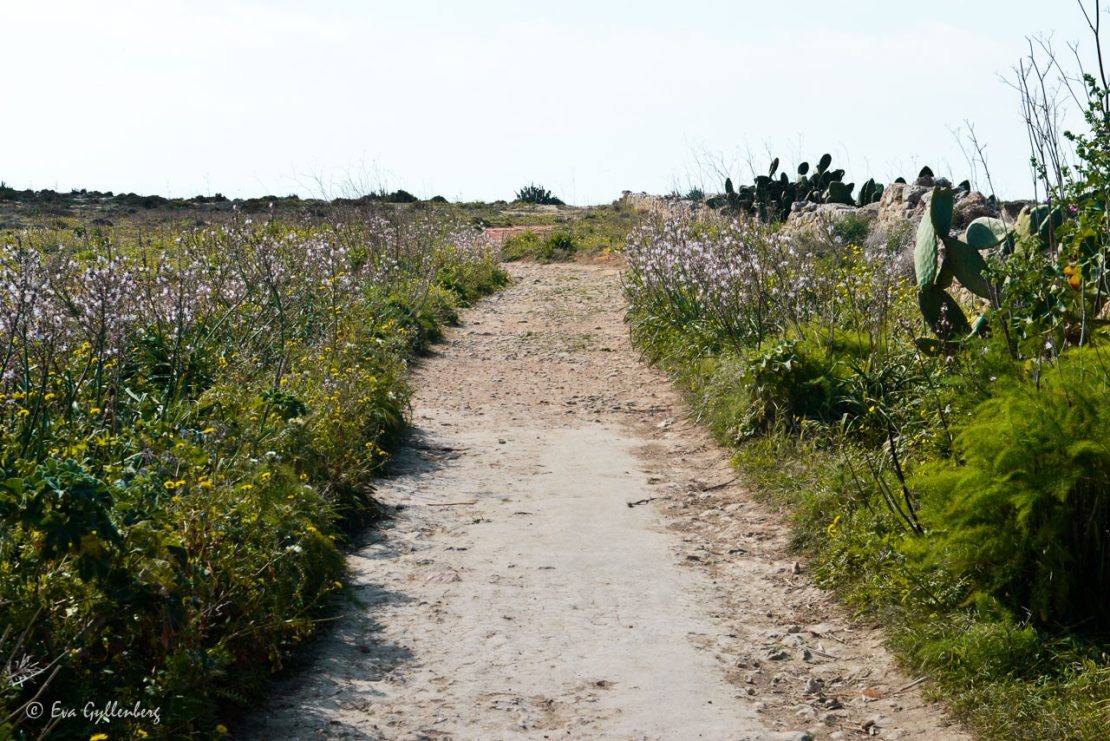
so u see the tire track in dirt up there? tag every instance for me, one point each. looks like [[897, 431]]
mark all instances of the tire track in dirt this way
[[571, 557]]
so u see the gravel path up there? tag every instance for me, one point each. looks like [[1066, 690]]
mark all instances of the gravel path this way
[[571, 557]]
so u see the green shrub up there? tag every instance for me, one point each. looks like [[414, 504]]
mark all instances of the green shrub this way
[[557, 245], [1024, 514], [183, 453], [526, 244], [537, 195], [791, 381], [851, 228]]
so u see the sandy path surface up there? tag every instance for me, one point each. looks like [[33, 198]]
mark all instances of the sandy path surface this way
[[570, 557]]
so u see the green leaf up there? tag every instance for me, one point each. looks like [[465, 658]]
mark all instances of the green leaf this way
[[986, 232], [940, 210], [945, 276], [925, 254], [942, 313], [968, 266]]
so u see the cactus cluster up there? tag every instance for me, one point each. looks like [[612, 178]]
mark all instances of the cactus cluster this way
[[1035, 227], [771, 196], [871, 192], [939, 259]]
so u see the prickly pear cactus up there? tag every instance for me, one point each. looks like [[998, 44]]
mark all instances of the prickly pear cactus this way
[[770, 198], [871, 192], [940, 258], [1035, 228]]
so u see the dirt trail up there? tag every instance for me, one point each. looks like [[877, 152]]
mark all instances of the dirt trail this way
[[571, 557]]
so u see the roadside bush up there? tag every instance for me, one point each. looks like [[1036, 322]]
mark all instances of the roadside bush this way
[[189, 424], [555, 246], [1024, 512], [790, 382], [957, 496]]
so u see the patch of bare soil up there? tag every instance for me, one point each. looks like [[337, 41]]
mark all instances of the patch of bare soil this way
[[571, 557]]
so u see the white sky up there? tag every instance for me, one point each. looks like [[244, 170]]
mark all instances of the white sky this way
[[474, 99]]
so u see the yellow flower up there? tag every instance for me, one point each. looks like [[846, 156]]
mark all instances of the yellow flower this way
[[49, 396], [94, 411], [24, 412], [141, 733], [246, 487], [208, 430], [266, 476], [169, 485], [221, 729], [99, 737], [337, 584]]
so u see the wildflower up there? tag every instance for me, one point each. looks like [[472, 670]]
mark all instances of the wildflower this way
[[221, 729], [1074, 277], [24, 412], [99, 737], [246, 487]]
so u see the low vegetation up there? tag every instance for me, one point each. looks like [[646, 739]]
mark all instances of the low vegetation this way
[[191, 422], [939, 438], [960, 496], [591, 232]]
